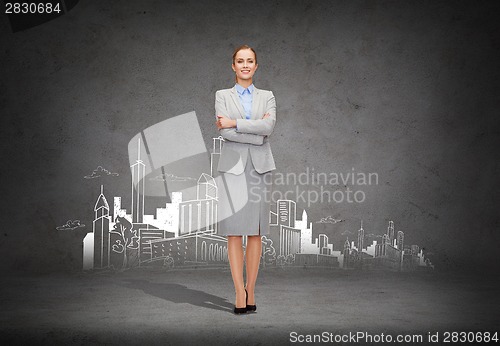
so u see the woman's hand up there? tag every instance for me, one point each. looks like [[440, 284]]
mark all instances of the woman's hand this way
[[224, 122], [267, 115]]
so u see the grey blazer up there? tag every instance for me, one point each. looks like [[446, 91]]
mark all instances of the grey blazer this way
[[251, 135]]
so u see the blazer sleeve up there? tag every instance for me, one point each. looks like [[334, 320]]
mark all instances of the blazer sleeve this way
[[231, 134], [260, 126]]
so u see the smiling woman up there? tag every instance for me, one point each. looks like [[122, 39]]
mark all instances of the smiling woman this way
[[245, 64], [246, 117]]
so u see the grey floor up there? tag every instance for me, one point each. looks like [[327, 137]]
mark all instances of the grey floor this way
[[157, 306]]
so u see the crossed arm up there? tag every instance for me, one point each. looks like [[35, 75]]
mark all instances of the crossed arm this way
[[251, 131]]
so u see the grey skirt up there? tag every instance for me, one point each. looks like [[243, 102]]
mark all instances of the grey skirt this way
[[244, 202]]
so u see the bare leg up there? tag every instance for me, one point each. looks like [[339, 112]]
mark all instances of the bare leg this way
[[235, 256], [254, 251]]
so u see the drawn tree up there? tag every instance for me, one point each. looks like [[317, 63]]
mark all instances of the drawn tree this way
[[280, 260], [128, 238], [269, 256], [290, 259]]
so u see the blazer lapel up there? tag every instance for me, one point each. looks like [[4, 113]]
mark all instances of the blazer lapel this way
[[237, 102], [255, 103]]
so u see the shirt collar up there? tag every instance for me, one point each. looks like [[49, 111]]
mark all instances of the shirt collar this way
[[240, 89]]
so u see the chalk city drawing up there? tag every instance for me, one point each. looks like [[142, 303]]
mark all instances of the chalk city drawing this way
[[183, 233]]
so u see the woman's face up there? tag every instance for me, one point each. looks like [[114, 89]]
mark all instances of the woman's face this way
[[244, 64]]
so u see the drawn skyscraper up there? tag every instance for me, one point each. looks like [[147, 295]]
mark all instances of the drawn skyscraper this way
[[390, 233], [400, 241], [288, 236], [361, 239], [385, 239], [206, 187], [324, 249], [347, 253], [215, 155], [200, 214], [117, 205], [286, 212], [138, 174], [100, 228], [305, 234]]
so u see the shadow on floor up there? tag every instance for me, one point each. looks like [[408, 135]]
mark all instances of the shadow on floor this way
[[177, 293]]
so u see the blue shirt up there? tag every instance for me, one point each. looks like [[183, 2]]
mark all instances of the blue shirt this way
[[246, 96]]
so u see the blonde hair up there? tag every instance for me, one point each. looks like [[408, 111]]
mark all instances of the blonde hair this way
[[236, 52]]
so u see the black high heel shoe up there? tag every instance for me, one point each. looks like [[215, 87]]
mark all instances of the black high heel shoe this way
[[250, 307], [241, 310], [238, 311]]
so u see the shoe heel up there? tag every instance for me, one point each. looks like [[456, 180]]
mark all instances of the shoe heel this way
[[250, 307], [243, 310]]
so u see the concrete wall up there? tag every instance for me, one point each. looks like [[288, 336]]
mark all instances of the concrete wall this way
[[408, 90]]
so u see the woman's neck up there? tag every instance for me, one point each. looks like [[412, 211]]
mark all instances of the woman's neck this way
[[245, 83]]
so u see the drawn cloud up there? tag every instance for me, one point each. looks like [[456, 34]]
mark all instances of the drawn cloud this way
[[99, 172], [373, 235], [329, 219], [70, 225], [171, 177]]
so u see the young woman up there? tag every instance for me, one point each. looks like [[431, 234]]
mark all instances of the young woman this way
[[246, 117]]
